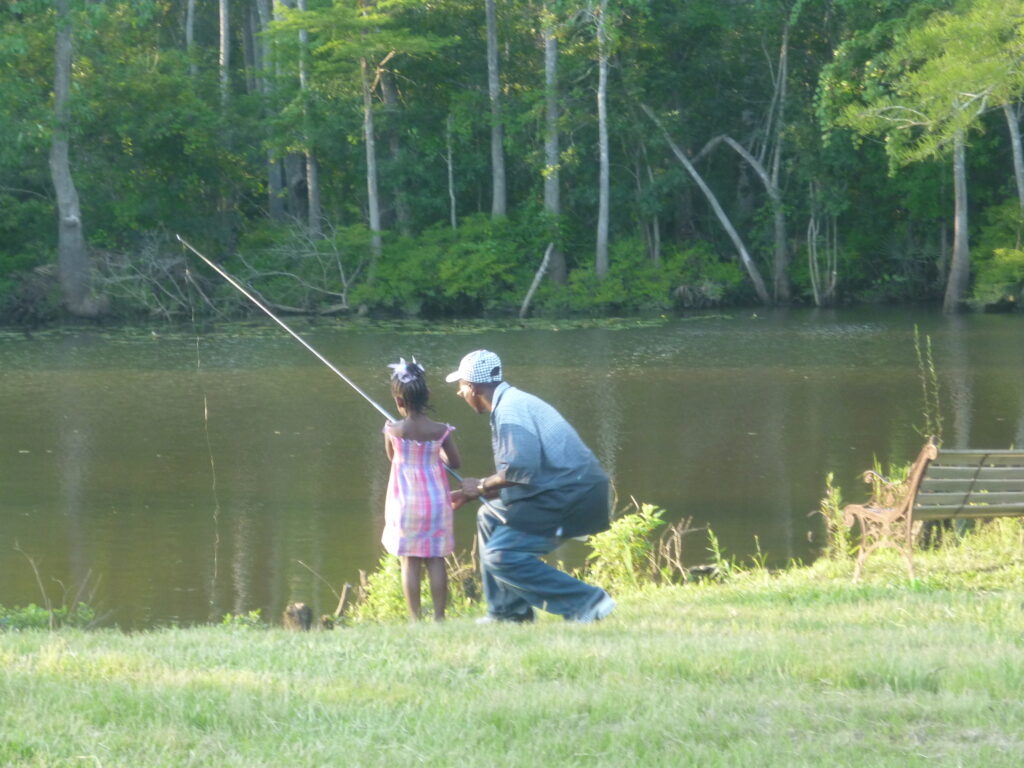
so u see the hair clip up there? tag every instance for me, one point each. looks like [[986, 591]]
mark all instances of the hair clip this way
[[406, 372]]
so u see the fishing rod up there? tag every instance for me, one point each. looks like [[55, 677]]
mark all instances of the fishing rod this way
[[380, 409]]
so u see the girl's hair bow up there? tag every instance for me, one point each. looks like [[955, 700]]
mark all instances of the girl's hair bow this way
[[406, 372]]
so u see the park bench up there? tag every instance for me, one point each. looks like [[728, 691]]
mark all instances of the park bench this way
[[941, 485]]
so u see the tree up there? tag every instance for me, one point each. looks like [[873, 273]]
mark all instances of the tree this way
[[927, 94], [499, 205], [748, 263], [552, 153], [74, 264], [604, 170]]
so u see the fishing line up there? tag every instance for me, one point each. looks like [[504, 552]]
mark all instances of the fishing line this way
[[241, 289], [209, 445]]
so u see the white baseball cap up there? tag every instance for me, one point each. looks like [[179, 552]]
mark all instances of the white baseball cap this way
[[481, 366]]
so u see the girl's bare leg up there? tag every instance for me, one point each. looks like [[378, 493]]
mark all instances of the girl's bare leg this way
[[412, 573], [438, 585]]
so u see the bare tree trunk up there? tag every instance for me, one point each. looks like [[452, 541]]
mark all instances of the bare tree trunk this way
[[552, 150], [498, 202], [960, 266], [373, 198], [448, 128], [73, 265], [250, 54], [403, 217], [654, 231], [275, 203], [780, 264], [655, 221], [190, 31], [544, 264], [601, 255], [315, 218], [745, 260], [1012, 112], [224, 60], [823, 286]]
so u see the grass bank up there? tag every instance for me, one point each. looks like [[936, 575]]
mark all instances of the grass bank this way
[[795, 668]]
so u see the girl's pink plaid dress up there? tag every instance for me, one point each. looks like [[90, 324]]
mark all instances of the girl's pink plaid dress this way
[[418, 512]]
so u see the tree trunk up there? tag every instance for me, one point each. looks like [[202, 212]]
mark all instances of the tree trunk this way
[[780, 264], [655, 220], [315, 217], [498, 202], [545, 263], [275, 202], [190, 33], [552, 150], [372, 197], [448, 128], [960, 265], [400, 201], [224, 60], [73, 266], [601, 255], [745, 260], [1013, 122]]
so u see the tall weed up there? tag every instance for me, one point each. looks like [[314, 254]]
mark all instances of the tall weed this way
[[623, 557]]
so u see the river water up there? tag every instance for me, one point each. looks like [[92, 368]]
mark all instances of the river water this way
[[184, 476]]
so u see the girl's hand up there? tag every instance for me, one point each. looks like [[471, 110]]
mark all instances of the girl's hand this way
[[458, 498]]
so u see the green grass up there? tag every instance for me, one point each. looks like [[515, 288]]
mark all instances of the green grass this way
[[799, 668]]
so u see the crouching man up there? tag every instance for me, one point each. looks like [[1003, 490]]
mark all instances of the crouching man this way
[[547, 487]]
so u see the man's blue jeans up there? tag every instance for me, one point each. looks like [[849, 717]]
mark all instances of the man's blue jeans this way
[[515, 579]]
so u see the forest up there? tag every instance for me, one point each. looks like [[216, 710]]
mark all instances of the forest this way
[[507, 157]]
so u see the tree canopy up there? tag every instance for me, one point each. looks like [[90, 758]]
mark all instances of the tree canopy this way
[[338, 155]]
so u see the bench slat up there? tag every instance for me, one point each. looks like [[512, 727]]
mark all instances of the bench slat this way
[[966, 473], [950, 484], [962, 497], [976, 458], [942, 512]]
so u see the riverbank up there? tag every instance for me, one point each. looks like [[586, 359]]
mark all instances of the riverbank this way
[[800, 667]]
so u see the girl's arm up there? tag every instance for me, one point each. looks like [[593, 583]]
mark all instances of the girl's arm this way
[[450, 452], [389, 448]]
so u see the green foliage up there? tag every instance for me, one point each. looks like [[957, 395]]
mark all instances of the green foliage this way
[[839, 544], [931, 408], [382, 596], [155, 149], [244, 621], [623, 556], [685, 277], [937, 77], [999, 256], [477, 268], [724, 567], [32, 616], [383, 600]]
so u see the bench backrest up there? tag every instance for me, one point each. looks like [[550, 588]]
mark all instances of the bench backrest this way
[[972, 483]]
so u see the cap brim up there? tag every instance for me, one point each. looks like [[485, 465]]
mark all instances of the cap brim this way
[[453, 377]]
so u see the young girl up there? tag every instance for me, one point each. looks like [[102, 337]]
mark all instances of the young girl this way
[[418, 514]]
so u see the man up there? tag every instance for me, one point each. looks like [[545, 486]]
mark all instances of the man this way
[[547, 487]]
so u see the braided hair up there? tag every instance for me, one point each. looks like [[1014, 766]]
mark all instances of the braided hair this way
[[410, 383]]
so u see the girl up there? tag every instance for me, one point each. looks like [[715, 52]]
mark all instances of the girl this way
[[418, 513]]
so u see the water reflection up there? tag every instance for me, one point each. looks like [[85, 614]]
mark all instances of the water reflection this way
[[731, 420]]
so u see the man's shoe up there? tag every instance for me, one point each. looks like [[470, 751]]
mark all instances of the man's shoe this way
[[601, 610]]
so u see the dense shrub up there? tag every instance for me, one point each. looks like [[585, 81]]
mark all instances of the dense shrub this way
[[998, 256]]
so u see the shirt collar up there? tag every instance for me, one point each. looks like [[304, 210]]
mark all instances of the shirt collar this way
[[499, 391]]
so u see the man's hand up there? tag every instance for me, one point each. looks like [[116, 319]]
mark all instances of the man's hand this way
[[471, 487]]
